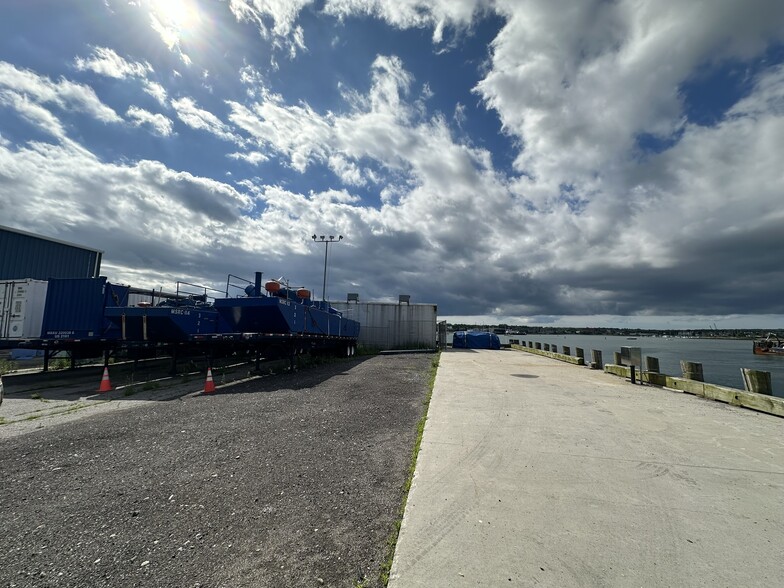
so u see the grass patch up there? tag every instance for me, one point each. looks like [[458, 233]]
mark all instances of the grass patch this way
[[70, 409], [59, 364], [368, 350], [386, 565], [7, 366], [3, 421]]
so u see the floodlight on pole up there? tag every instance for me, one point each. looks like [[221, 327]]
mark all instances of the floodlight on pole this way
[[327, 242]]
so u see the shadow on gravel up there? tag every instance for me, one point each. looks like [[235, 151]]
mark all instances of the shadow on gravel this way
[[301, 379]]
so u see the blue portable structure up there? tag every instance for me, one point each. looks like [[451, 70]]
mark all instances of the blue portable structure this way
[[75, 307], [279, 314], [170, 321], [283, 313], [475, 340]]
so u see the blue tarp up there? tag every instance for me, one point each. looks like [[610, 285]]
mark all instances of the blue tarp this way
[[475, 340]]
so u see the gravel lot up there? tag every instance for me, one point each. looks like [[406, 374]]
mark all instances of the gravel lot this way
[[288, 480]]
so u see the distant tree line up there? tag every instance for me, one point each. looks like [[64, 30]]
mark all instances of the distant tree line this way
[[624, 332]]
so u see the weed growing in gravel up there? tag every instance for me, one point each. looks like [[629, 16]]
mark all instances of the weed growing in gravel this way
[[368, 350], [3, 421], [35, 396], [130, 391], [386, 565], [59, 364], [7, 366]]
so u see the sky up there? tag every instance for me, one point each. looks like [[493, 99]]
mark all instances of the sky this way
[[593, 163]]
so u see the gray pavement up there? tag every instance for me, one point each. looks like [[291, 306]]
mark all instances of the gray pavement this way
[[534, 472]]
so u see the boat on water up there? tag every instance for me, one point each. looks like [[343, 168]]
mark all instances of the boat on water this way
[[770, 345]]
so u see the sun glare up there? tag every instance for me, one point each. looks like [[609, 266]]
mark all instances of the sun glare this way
[[182, 15]]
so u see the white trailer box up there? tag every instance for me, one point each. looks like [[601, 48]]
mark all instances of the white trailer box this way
[[22, 305], [388, 325]]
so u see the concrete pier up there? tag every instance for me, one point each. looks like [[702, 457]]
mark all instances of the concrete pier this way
[[538, 472]]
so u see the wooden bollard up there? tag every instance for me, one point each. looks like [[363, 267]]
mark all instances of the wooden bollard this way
[[652, 364], [757, 381], [531, 344], [538, 345], [547, 347], [617, 358], [692, 371], [596, 359], [567, 350], [578, 352]]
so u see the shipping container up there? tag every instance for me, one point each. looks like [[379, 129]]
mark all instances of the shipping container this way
[[21, 308], [75, 309], [389, 325], [26, 255]]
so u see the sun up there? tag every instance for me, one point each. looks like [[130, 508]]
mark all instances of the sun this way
[[180, 15]]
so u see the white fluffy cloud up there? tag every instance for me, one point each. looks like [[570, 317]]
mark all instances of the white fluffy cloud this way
[[64, 94], [275, 20], [159, 124], [587, 221], [106, 62], [436, 14], [200, 119], [578, 82]]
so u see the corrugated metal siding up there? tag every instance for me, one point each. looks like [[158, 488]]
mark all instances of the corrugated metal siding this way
[[27, 256], [74, 308], [393, 326]]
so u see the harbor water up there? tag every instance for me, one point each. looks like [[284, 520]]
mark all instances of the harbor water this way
[[721, 359]]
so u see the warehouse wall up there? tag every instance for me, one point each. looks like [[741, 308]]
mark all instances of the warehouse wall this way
[[24, 255], [393, 326]]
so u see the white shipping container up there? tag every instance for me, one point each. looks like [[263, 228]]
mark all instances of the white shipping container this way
[[388, 325], [22, 305]]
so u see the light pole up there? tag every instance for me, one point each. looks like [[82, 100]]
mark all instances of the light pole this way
[[327, 242]]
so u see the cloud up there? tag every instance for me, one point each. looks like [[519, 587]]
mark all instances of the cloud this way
[[160, 124], [199, 119], [252, 157], [148, 217], [578, 83], [64, 94], [405, 14], [275, 20], [106, 62], [587, 220], [33, 113], [157, 91]]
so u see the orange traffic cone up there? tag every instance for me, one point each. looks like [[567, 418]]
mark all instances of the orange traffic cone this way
[[106, 385], [209, 385]]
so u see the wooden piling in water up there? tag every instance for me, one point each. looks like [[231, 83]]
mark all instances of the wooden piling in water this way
[[554, 348], [547, 347], [652, 364], [567, 350], [617, 358], [538, 345], [596, 359], [579, 352], [757, 381]]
